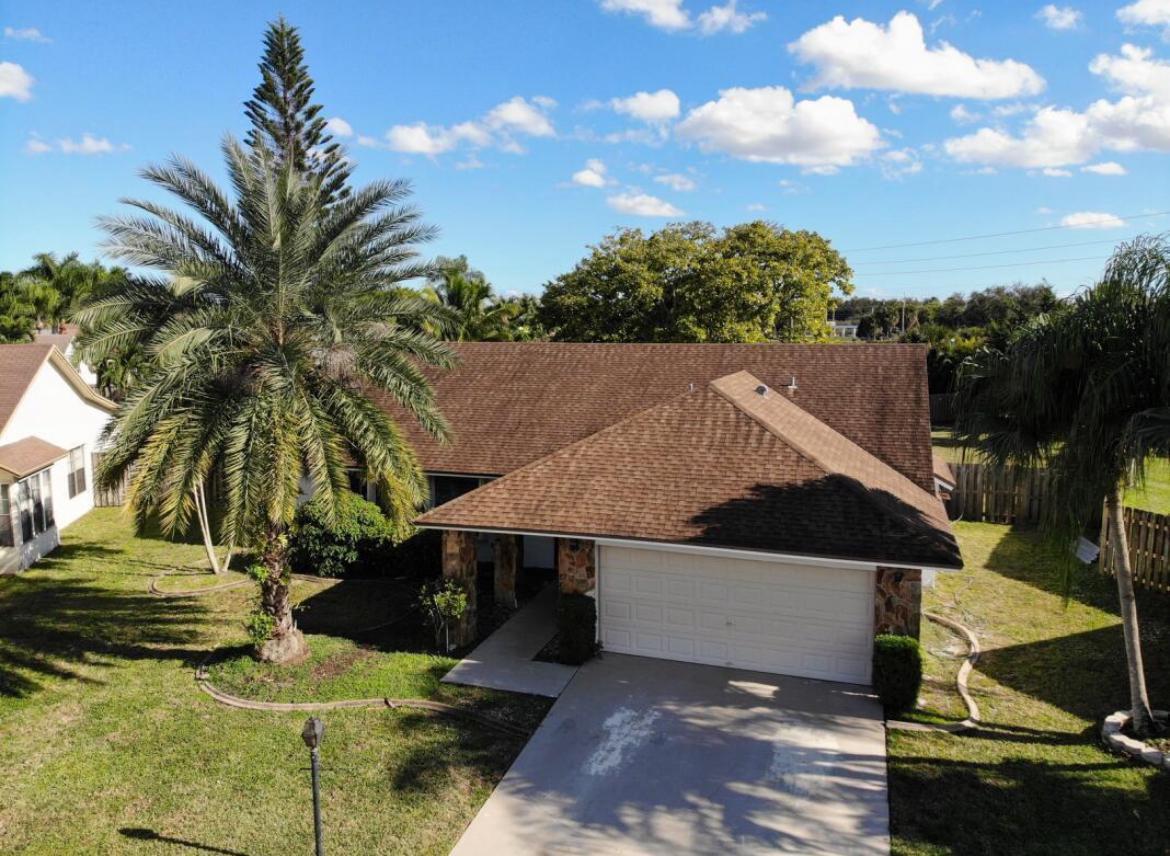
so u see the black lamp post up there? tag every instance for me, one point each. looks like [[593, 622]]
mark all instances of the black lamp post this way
[[312, 733]]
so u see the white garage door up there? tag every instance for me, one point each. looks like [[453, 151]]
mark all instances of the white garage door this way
[[768, 616]]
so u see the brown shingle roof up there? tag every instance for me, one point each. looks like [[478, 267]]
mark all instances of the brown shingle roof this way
[[719, 466], [942, 469], [510, 403], [28, 455], [19, 364]]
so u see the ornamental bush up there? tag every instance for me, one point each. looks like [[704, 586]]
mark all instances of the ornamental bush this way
[[577, 628], [897, 671], [357, 543]]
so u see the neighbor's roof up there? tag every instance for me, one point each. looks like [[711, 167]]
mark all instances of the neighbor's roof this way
[[722, 466], [510, 403], [20, 363], [28, 455], [942, 470]]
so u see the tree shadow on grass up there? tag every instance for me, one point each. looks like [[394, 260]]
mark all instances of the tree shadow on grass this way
[[427, 767], [49, 627], [971, 807]]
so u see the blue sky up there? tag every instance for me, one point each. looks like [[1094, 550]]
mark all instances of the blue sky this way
[[522, 127]]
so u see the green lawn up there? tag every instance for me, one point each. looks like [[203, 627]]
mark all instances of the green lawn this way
[[1035, 780], [110, 747]]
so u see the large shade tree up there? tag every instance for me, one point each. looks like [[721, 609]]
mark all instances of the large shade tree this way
[[1085, 391], [689, 282], [284, 314]]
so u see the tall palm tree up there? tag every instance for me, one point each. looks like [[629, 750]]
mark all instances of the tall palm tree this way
[[283, 317], [69, 281], [477, 315], [1085, 391]]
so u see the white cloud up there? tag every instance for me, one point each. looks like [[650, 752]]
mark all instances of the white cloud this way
[[522, 116], [1055, 172], [659, 106], [1092, 220], [1106, 168], [642, 205], [756, 206], [1059, 17], [666, 15], [499, 128], [593, 175], [963, 116], [87, 145], [1057, 137], [900, 162], [339, 126], [676, 181], [1150, 13], [1134, 71], [15, 82], [864, 55], [768, 124], [729, 18], [26, 34]]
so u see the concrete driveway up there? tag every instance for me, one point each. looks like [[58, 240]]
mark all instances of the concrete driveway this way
[[651, 756]]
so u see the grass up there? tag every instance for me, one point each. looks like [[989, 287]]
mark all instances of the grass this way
[[1035, 780], [109, 747]]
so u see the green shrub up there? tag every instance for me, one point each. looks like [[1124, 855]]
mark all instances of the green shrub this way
[[356, 543], [577, 628], [443, 603], [897, 671]]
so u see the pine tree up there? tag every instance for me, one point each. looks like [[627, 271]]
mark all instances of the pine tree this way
[[286, 121]]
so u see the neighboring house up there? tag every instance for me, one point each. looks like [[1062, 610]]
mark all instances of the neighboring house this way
[[844, 329], [767, 507], [63, 337], [50, 421]]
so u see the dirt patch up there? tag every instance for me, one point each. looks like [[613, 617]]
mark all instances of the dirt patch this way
[[340, 664]]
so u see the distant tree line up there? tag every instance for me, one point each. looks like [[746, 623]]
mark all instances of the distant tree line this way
[[955, 327]]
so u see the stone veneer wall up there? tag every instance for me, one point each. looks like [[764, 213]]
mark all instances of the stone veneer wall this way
[[506, 550], [576, 566], [459, 564], [897, 601]]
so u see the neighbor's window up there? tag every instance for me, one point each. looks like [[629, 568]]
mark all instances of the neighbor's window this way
[[76, 471], [7, 536]]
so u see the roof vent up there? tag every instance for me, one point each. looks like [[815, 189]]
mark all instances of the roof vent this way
[[761, 390], [792, 387]]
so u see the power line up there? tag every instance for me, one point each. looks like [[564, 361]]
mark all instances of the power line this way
[[984, 267], [992, 234], [991, 253]]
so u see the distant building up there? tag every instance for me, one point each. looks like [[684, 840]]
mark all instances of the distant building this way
[[844, 329]]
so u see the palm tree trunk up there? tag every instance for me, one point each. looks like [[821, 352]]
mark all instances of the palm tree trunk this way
[[205, 528], [1139, 701], [287, 643]]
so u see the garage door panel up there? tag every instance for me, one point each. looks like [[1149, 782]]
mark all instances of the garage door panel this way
[[770, 616]]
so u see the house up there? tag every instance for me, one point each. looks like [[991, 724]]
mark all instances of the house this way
[[767, 507], [50, 422], [63, 336]]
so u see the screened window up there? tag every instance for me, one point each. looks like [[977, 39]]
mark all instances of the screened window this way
[[33, 497], [77, 482]]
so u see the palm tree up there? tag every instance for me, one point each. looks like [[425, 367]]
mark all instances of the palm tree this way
[[284, 318], [1085, 391], [477, 315], [58, 287]]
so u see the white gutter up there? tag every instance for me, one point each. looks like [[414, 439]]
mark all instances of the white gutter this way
[[700, 550]]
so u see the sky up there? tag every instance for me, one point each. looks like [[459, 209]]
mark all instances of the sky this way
[[941, 145]]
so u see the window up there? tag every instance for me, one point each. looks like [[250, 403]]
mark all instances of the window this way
[[76, 471], [6, 533], [34, 504], [446, 488]]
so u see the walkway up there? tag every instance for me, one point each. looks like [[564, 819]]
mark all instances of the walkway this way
[[504, 661]]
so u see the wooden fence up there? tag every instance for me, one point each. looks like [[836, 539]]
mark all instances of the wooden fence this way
[[111, 496], [984, 493], [1149, 548]]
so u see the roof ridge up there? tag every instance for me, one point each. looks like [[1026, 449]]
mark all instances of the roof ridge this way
[[718, 385]]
